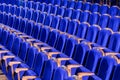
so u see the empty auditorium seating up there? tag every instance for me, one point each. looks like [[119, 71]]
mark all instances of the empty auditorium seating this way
[[59, 40]]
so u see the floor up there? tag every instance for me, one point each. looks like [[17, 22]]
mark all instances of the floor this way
[[2, 76]]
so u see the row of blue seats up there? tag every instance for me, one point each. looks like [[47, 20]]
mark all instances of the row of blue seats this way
[[71, 27], [103, 21], [113, 2], [102, 9], [70, 44], [58, 2], [64, 49]]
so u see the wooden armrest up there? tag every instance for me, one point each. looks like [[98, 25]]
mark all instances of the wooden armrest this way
[[89, 43], [73, 66], [2, 26], [14, 62], [6, 57], [24, 36], [111, 53], [58, 60], [81, 74], [12, 30], [69, 67], [49, 54], [117, 59], [100, 47], [18, 33], [11, 66], [28, 77], [45, 48], [52, 53], [80, 39], [69, 35], [4, 51], [1, 46], [30, 40], [17, 70], [40, 43]]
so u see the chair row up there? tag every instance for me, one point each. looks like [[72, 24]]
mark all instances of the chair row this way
[[64, 49], [85, 16], [114, 10], [70, 27], [58, 22], [113, 2], [70, 49], [104, 9]]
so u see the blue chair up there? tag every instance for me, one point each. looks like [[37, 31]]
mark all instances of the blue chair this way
[[49, 69], [68, 13], [60, 74], [48, 20], [103, 37], [119, 13], [2, 7], [35, 16], [115, 72], [94, 18], [4, 37], [114, 23], [41, 7], [36, 31], [5, 18], [14, 52], [41, 18], [104, 20], [10, 20], [63, 22], [49, 1], [76, 14], [72, 27], [82, 30], [84, 16], [29, 63], [16, 23], [36, 5], [13, 9], [30, 4], [55, 22], [57, 3], [114, 42], [1, 17], [113, 11], [70, 4], [29, 14], [18, 11], [92, 33], [7, 8], [29, 28], [87, 6], [54, 10], [107, 63], [79, 5], [64, 3], [90, 64], [23, 4], [60, 11], [47, 9], [23, 24], [44, 34], [23, 12], [95, 7], [104, 9]]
